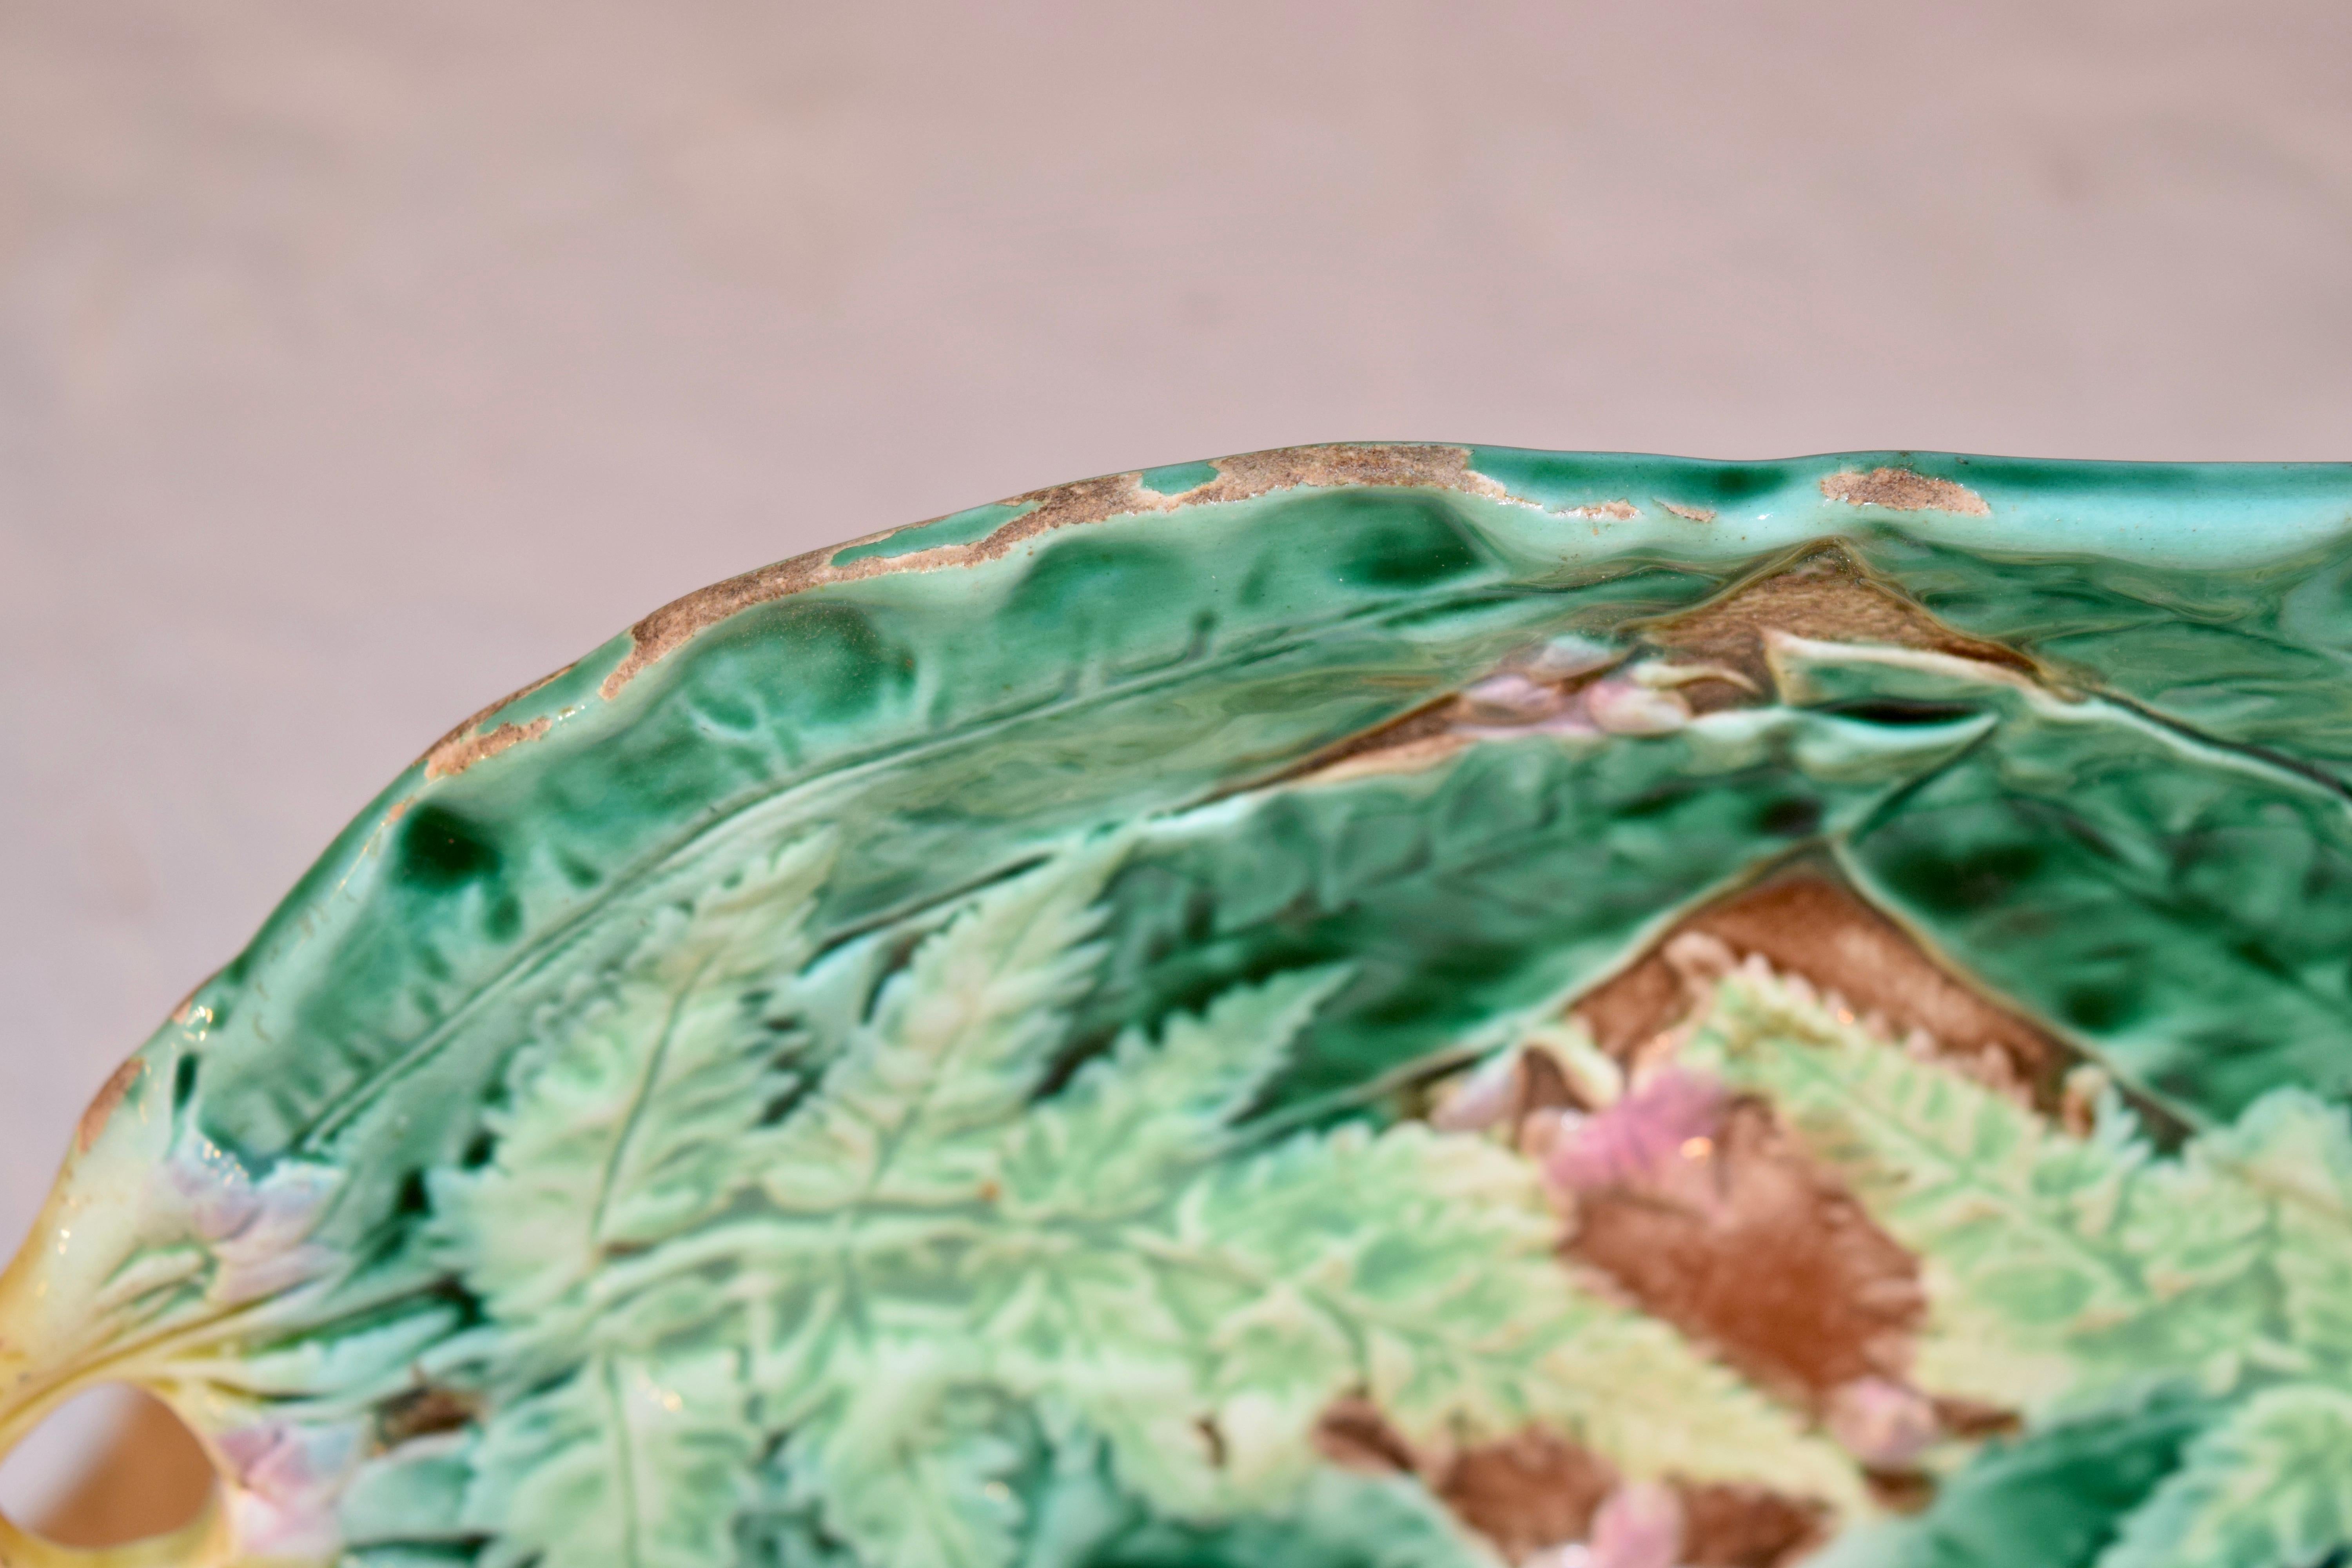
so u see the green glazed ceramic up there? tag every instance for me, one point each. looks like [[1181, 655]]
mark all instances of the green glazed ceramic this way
[[1398, 1006]]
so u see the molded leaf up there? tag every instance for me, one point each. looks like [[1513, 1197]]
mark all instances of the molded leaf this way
[[911, 1472], [499, 1099], [2051, 1258], [1130, 1118], [2269, 1487], [2296, 1150], [935, 1249], [637, 1463], [915, 1109], [627, 1118]]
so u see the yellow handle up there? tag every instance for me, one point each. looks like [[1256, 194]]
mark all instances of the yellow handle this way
[[203, 1543]]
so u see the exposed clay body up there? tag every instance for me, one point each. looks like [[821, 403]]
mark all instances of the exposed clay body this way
[[1063, 506], [1806, 603], [1901, 489], [468, 744], [1240, 477], [465, 747], [1823, 594], [1701, 661]]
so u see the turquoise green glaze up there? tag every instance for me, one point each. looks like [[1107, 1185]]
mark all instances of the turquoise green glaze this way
[[967, 527], [1177, 477], [631, 958]]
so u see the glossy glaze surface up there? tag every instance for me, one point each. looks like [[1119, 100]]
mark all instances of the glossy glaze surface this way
[[1073, 1033]]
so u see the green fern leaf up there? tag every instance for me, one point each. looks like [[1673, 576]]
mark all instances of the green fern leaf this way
[[2058, 1262], [2296, 1150], [2053, 1261], [2269, 1487], [928, 1250], [911, 1472], [632, 1462], [1630, 1387], [627, 1118], [2193, 1222], [1417, 1266], [1127, 1120], [915, 1109], [2015, 1219]]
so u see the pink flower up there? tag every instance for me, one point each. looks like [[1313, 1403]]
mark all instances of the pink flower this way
[[1882, 1424], [256, 1231], [1663, 1126], [1639, 1525], [283, 1487]]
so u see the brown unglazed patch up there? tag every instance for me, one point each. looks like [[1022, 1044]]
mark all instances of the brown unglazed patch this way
[[466, 744], [1901, 1491], [1437, 730], [1823, 594], [1242, 477], [1755, 1250], [1902, 490], [1409, 740], [1690, 513], [101, 1107], [1765, 1256], [1805, 920], [1399, 463], [1973, 1419], [424, 1411], [1353, 1433], [462, 748]]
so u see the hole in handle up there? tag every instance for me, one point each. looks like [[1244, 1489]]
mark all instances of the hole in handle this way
[[111, 1468]]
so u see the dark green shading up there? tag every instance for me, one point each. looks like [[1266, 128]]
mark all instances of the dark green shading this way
[[2056, 1498], [2257, 656], [1565, 479], [918, 716], [2184, 910], [1341, 1520], [1483, 886]]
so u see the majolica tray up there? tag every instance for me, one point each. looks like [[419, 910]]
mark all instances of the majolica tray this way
[[1399, 1006]]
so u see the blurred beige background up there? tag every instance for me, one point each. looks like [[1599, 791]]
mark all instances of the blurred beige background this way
[[360, 361]]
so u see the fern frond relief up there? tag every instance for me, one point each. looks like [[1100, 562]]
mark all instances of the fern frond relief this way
[[2054, 1261], [937, 1269], [641, 1461], [2270, 1484], [2066, 1271], [628, 1115]]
